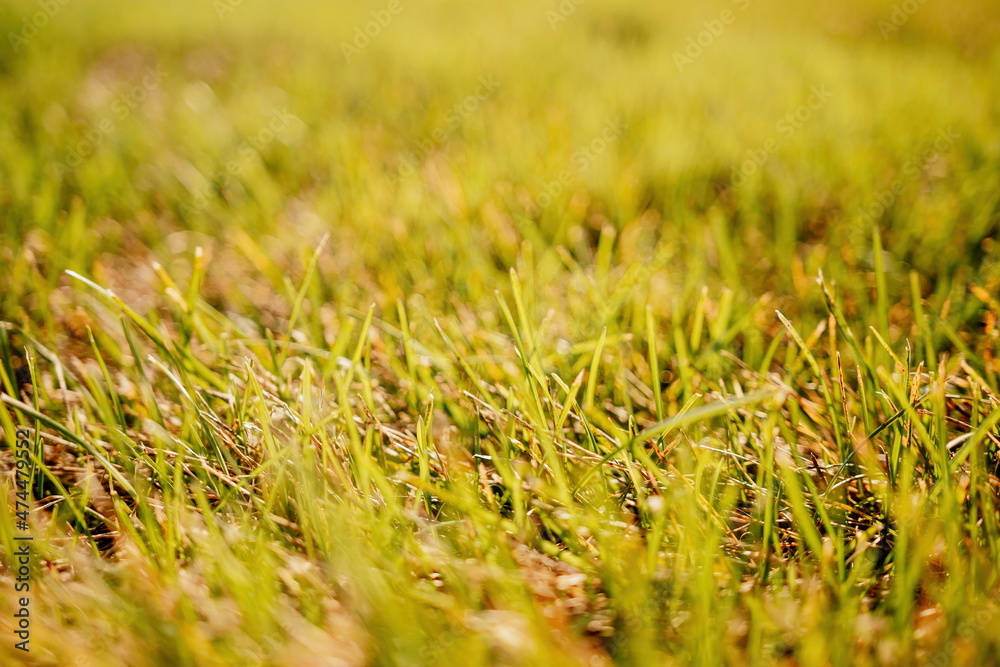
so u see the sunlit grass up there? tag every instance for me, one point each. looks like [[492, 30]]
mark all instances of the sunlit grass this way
[[365, 361]]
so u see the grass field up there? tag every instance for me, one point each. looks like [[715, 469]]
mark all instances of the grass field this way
[[437, 332]]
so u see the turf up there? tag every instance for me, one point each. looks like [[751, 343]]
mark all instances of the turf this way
[[514, 333]]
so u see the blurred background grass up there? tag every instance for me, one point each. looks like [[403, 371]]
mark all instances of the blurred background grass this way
[[356, 121]]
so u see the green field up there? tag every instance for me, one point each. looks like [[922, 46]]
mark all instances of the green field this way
[[440, 332]]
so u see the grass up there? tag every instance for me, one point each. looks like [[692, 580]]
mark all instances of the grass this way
[[333, 359]]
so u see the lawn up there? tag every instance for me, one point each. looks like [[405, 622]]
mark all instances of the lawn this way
[[439, 332]]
